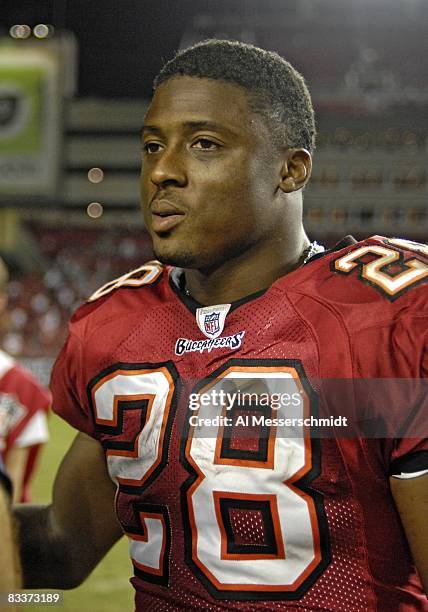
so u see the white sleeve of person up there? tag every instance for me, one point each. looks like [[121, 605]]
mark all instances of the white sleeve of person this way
[[408, 475], [35, 432], [412, 465]]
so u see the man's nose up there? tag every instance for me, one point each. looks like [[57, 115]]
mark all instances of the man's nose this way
[[169, 168]]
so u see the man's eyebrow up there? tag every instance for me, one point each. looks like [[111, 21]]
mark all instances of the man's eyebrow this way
[[152, 129], [207, 125], [191, 126]]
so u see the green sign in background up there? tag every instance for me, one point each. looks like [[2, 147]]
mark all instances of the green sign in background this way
[[29, 83]]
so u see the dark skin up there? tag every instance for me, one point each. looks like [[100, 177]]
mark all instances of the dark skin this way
[[63, 542], [210, 156], [10, 578], [220, 200], [411, 499]]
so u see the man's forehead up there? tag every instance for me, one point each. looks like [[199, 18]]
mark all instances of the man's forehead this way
[[187, 100]]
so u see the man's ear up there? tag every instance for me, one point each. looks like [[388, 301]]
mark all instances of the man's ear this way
[[296, 170]]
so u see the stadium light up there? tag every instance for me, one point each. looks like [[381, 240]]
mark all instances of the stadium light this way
[[42, 30], [95, 210], [95, 175], [20, 31]]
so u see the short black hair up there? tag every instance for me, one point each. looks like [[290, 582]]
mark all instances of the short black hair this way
[[277, 91]]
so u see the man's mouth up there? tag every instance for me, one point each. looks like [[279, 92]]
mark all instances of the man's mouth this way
[[165, 215]]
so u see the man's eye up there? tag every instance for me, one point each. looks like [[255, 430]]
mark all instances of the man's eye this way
[[151, 147], [205, 144]]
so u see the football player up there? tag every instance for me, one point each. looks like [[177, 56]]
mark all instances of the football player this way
[[24, 403], [279, 518]]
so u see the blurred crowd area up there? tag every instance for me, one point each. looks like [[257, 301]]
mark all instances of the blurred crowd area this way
[[78, 261], [390, 139]]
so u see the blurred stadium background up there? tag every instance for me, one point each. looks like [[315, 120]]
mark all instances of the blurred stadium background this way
[[75, 80]]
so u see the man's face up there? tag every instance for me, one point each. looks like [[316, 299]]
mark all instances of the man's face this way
[[209, 174]]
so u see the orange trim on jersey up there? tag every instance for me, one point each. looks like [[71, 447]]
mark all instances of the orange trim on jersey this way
[[268, 464], [148, 268], [150, 397], [310, 502], [374, 274], [272, 433], [142, 538], [158, 459], [120, 372], [151, 267], [307, 441], [347, 262], [272, 499], [372, 271], [315, 532]]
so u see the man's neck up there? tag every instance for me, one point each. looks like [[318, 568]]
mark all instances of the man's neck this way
[[245, 275]]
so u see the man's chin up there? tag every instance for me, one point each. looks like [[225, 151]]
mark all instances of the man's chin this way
[[178, 259]]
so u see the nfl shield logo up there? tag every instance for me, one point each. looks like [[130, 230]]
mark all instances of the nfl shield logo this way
[[211, 319], [212, 323]]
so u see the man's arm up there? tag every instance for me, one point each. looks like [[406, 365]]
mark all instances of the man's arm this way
[[10, 578], [62, 543], [16, 462], [411, 499]]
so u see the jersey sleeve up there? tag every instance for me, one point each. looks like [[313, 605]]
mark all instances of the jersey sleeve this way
[[414, 439], [25, 397], [35, 432], [392, 361], [67, 386]]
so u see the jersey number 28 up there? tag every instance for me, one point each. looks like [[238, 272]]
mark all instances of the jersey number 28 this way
[[267, 485]]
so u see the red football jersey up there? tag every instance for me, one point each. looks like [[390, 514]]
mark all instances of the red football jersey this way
[[21, 396], [255, 513]]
